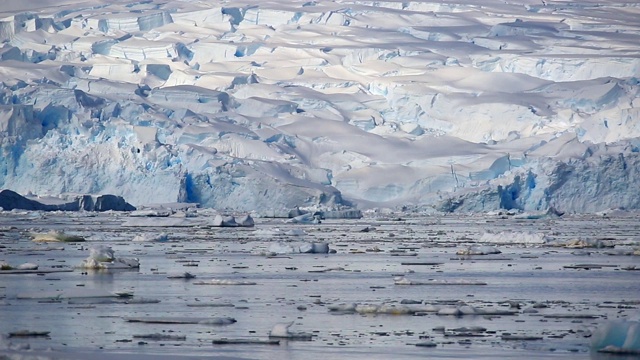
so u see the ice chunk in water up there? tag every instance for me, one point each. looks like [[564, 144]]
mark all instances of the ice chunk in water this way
[[618, 336], [162, 237], [103, 257], [478, 250], [27, 266], [281, 330], [101, 253]]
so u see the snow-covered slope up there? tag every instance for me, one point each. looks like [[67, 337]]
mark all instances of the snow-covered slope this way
[[255, 105]]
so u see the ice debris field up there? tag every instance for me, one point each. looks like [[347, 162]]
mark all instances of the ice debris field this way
[[455, 106], [178, 284]]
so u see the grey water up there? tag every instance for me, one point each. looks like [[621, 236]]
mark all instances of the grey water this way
[[557, 295]]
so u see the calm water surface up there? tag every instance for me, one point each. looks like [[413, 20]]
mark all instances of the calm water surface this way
[[301, 288]]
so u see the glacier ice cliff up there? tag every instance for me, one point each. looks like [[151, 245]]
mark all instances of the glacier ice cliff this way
[[254, 106], [577, 185]]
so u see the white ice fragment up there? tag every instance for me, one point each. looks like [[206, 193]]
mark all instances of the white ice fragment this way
[[401, 280], [56, 236], [393, 309], [148, 237], [101, 253], [367, 308], [513, 237], [281, 248], [452, 311], [583, 243], [478, 250], [389, 309], [307, 218], [27, 266], [126, 263], [150, 213], [103, 258], [281, 330], [304, 248], [343, 307]]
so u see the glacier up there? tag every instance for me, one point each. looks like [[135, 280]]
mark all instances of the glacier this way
[[456, 107]]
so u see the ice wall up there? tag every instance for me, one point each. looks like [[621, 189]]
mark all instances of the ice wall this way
[[257, 105], [605, 181]]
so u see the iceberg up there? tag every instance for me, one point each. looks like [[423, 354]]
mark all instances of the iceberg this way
[[102, 257], [281, 330], [232, 221], [617, 336]]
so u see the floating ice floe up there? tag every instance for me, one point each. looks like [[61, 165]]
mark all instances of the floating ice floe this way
[[102, 258], [307, 218], [624, 252], [27, 266], [583, 243], [74, 294], [462, 310], [314, 248], [182, 320], [266, 233], [388, 309], [281, 330], [415, 309], [161, 337], [281, 248], [186, 275], [150, 213], [102, 253], [513, 237], [617, 336], [479, 250], [225, 341], [224, 282], [148, 237], [405, 281], [55, 236]]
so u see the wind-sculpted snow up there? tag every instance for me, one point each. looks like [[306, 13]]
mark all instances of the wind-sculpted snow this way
[[465, 106]]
